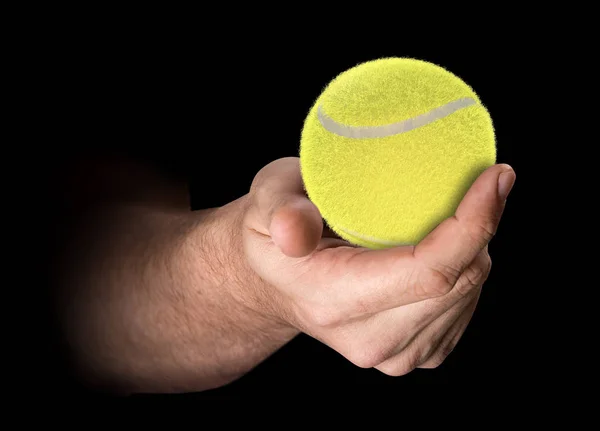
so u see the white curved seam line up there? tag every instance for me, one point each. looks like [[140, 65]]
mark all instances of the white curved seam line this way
[[362, 132]]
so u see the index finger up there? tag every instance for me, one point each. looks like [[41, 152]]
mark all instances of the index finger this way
[[455, 243]]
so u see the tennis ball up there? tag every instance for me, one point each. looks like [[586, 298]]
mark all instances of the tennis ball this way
[[390, 148]]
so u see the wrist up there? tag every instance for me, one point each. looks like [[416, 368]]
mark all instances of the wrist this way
[[218, 240]]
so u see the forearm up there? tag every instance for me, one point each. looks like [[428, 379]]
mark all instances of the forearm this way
[[152, 301]]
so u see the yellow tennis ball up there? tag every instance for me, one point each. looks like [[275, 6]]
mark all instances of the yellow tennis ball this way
[[390, 148]]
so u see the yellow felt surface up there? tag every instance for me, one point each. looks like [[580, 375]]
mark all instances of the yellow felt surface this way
[[398, 188]]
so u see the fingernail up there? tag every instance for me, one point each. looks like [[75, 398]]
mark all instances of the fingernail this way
[[506, 180]]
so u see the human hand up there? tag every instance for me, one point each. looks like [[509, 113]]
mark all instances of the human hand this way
[[396, 309]]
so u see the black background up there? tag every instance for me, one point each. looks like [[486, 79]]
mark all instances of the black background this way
[[162, 100]]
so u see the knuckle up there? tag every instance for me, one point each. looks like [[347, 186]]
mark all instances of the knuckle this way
[[360, 306], [485, 230], [434, 362], [265, 197], [323, 316], [488, 265], [471, 279], [270, 173], [402, 365], [258, 181], [261, 194], [395, 370], [436, 281], [366, 355], [475, 274]]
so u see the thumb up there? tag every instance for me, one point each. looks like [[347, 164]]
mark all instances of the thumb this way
[[282, 211]]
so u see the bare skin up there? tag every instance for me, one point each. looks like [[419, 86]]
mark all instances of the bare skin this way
[[168, 300]]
